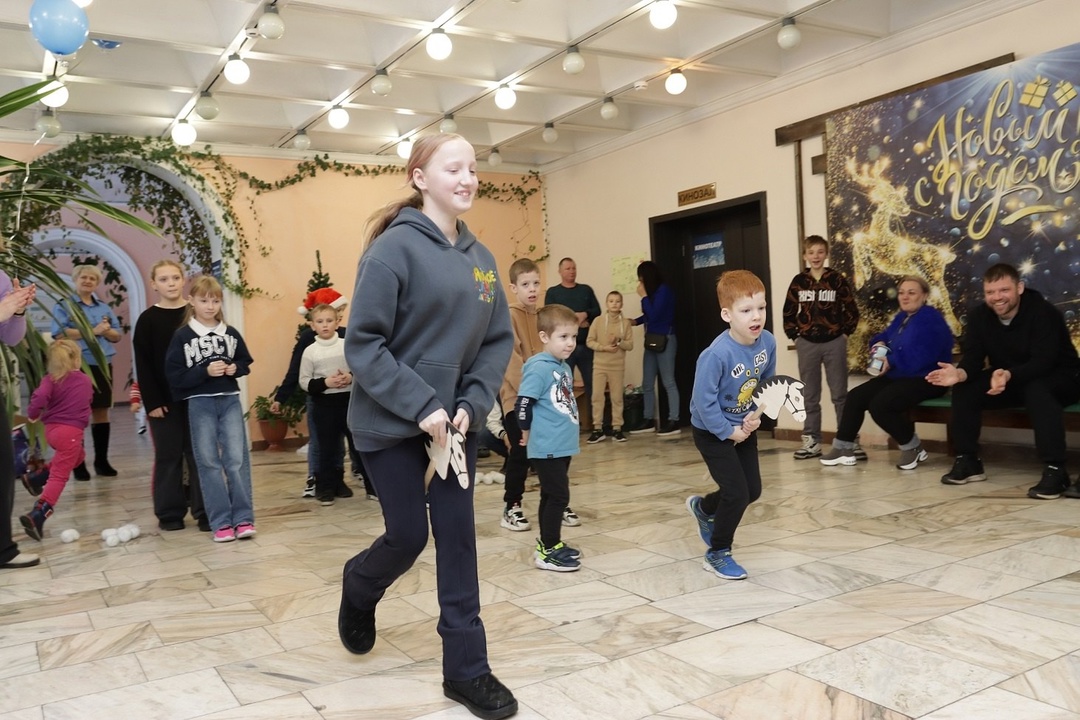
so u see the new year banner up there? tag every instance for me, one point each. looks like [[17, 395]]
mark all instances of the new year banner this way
[[946, 181]]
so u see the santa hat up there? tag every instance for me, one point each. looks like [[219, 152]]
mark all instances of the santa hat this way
[[323, 296]]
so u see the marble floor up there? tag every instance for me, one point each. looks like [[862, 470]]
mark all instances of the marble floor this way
[[873, 593]]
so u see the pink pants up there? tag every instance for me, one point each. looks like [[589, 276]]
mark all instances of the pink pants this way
[[67, 441]]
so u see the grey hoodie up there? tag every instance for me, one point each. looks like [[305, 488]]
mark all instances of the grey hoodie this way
[[428, 328]]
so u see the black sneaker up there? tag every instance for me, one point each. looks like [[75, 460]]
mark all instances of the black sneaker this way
[[343, 491], [668, 428], [618, 436], [171, 525], [646, 426], [356, 627], [965, 469], [326, 498], [81, 473], [1073, 491], [484, 696], [1054, 482], [595, 437]]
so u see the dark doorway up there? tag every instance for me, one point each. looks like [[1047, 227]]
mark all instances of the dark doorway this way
[[727, 235]]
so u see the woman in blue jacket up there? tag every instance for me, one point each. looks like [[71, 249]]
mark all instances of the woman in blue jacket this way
[[915, 342], [658, 317]]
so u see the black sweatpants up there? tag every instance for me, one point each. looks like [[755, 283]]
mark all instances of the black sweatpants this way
[[888, 401], [331, 418], [171, 436], [517, 463], [398, 475], [734, 467], [554, 474], [1043, 397]]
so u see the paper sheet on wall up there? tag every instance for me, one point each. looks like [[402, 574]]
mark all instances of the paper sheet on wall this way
[[624, 274]]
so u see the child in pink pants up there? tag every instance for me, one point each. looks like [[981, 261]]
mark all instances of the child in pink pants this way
[[62, 401]]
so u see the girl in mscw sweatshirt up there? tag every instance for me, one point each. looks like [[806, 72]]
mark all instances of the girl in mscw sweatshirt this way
[[203, 361]]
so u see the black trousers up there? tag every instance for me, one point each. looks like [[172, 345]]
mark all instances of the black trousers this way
[[398, 475], [330, 414], [8, 547], [171, 436], [517, 462], [888, 401], [554, 474], [1043, 397], [734, 467]]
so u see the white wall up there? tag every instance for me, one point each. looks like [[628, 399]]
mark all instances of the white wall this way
[[600, 209]]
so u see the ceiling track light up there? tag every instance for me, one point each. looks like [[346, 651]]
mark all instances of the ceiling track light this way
[[236, 70], [338, 117], [573, 63], [381, 84], [301, 141], [608, 109], [48, 124], [58, 93], [183, 133], [270, 24], [662, 14], [207, 106], [550, 134], [789, 35], [439, 45], [495, 159], [505, 97], [675, 83], [448, 124]]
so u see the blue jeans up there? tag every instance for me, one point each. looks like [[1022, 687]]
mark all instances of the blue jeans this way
[[664, 362], [220, 442]]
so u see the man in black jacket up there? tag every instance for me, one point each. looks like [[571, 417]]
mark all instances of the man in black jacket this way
[[1016, 352]]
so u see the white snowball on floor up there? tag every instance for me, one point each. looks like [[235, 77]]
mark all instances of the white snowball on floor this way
[[107, 532], [124, 533], [112, 540], [134, 530], [69, 535]]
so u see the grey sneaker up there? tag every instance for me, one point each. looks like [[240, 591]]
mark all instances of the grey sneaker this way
[[910, 459], [838, 457], [811, 448]]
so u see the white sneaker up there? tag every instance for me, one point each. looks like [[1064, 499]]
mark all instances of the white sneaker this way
[[514, 519], [309, 487], [570, 518], [302, 450], [811, 448]]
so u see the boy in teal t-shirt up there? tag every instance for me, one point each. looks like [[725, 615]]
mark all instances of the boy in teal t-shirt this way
[[548, 416]]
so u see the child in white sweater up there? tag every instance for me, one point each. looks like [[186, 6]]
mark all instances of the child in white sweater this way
[[326, 378]]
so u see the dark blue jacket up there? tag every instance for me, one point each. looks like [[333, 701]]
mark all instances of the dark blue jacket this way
[[917, 345]]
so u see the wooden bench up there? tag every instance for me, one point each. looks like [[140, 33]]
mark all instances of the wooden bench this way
[[939, 410]]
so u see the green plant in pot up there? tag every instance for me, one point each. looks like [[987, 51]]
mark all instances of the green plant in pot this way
[[275, 426]]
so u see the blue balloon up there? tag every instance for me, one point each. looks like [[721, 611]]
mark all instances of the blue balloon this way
[[59, 25]]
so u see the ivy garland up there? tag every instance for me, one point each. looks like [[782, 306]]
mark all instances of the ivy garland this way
[[103, 158]]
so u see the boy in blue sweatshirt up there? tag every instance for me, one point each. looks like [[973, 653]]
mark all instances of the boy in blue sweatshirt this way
[[728, 373], [548, 417]]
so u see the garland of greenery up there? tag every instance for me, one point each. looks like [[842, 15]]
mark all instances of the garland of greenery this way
[[109, 159]]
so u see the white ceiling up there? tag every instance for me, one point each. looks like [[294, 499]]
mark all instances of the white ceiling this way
[[174, 49]]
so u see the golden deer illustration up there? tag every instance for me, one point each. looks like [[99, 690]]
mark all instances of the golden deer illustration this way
[[885, 246]]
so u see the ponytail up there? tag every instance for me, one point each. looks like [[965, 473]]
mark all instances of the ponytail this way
[[381, 218]]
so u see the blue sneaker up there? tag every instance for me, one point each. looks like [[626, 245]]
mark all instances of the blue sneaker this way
[[558, 558], [570, 551], [723, 565], [704, 522]]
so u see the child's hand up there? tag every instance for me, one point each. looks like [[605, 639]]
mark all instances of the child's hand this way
[[739, 435], [524, 438], [230, 369], [751, 423], [275, 408], [216, 368]]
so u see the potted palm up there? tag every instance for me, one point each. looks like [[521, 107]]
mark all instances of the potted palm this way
[[275, 426]]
